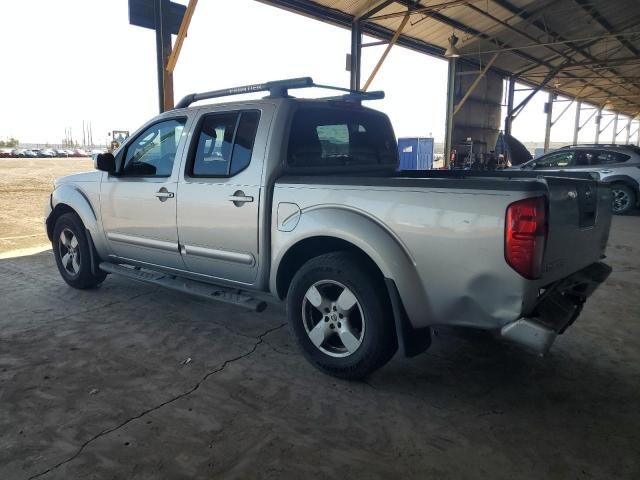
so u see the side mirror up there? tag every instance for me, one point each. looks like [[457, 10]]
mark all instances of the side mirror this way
[[106, 162]]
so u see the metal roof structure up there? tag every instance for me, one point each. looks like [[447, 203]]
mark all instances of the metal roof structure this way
[[583, 49]]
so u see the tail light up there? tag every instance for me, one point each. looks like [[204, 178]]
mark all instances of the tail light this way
[[526, 235]]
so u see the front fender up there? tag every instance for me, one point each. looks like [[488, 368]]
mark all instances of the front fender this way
[[369, 235], [75, 198]]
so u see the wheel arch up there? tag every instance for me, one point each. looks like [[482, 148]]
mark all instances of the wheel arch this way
[[331, 228], [71, 199], [625, 179]]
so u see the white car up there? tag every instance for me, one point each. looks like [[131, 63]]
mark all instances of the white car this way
[[618, 165]]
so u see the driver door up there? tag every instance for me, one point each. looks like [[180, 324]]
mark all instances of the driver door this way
[[556, 161], [138, 206]]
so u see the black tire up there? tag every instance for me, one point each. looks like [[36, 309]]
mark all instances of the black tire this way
[[624, 198], [372, 313], [76, 273]]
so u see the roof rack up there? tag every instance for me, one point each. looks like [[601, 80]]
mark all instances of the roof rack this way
[[279, 89], [614, 145]]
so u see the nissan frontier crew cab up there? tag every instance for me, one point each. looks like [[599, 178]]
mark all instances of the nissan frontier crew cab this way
[[300, 201]]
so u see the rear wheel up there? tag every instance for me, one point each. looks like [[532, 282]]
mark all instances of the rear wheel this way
[[340, 315], [624, 198], [71, 251]]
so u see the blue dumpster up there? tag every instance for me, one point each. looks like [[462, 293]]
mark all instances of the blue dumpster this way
[[416, 153]]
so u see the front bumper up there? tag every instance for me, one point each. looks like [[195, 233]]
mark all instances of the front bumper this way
[[556, 309]]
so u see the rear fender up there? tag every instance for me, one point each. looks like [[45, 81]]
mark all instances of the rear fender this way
[[369, 235]]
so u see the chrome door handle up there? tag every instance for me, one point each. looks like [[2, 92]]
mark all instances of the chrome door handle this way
[[165, 194], [606, 171], [239, 198]]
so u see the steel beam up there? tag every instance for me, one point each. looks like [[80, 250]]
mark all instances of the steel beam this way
[[615, 129], [508, 121], [451, 85], [576, 125], [598, 120], [590, 9], [392, 42], [371, 9], [547, 130], [595, 112], [163, 49], [628, 129], [356, 55], [475, 83], [182, 33]]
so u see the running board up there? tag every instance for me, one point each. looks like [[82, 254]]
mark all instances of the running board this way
[[233, 296]]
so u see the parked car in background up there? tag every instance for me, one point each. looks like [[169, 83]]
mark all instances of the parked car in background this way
[[5, 152], [18, 152], [300, 201], [30, 153], [618, 165], [60, 152], [46, 153], [78, 152]]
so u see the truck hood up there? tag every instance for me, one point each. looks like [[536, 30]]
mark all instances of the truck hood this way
[[92, 176]]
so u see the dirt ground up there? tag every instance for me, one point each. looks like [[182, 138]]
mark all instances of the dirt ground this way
[[130, 382], [25, 185]]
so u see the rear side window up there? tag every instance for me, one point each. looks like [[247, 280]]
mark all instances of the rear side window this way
[[602, 157], [225, 143], [325, 137]]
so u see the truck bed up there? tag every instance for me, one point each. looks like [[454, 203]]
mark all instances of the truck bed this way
[[453, 223]]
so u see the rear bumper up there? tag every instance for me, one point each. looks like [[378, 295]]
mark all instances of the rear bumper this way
[[556, 309]]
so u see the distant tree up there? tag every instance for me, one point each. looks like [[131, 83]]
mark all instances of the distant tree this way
[[12, 143]]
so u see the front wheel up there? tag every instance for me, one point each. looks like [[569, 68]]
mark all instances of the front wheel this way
[[339, 312], [71, 251], [624, 198]]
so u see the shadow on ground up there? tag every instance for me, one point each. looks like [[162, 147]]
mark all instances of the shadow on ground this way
[[127, 381]]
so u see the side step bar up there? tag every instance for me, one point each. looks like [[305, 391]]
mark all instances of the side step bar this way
[[199, 289]]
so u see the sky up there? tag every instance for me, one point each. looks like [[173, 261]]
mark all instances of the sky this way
[[80, 60]]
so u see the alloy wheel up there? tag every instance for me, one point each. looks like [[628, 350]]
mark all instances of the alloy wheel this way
[[69, 252], [333, 318]]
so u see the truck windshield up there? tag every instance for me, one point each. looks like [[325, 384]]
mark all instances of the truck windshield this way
[[326, 137]]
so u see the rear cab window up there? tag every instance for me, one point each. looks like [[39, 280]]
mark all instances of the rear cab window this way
[[325, 137]]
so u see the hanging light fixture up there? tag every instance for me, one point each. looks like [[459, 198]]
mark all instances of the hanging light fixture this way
[[452, 51]]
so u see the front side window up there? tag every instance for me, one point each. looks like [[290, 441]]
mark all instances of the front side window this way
[[555, 160], [225, 144], [153, 152], [326, 137]]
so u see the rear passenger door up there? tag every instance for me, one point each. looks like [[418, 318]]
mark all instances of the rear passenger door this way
[[219, 195]]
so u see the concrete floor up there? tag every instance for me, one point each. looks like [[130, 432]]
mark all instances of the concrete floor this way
[[94, 385]]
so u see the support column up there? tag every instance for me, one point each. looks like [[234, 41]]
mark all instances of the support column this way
[[615, 129], [576, 127], [547, 130], [356, 54], [163, 49], [508, 121], [598, 120], [628, 135], [451, 85]]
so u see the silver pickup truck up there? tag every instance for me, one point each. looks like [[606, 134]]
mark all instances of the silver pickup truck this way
[[300, 201]]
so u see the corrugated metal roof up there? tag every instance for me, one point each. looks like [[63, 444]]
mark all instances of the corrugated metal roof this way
[[589, 48]]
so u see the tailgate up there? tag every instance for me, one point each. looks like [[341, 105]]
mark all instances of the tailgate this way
[[579, 218]]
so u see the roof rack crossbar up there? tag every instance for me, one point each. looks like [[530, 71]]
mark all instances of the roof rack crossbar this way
[[279, 89]]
